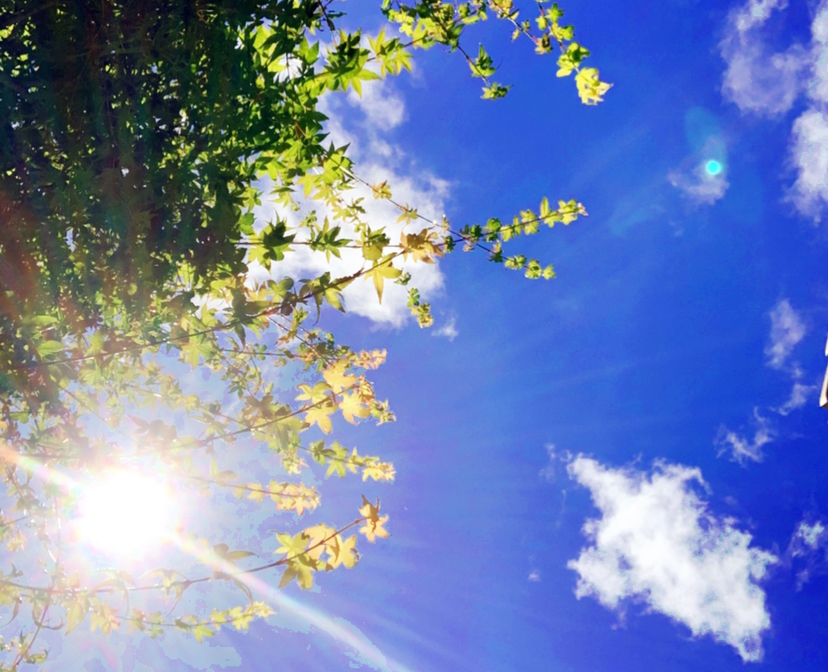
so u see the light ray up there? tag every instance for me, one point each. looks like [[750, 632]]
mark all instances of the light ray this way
[[336, 628], [36, 467]]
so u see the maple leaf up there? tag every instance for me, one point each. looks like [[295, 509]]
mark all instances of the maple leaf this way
[[302, 568], [420, 246], [201, 630], [261, 408], [339, 462], [336, 376], [314, 394], [105, 618], [379, 471], [373, 527], [319, 415], [352, 408], [343, 551], [382, 270], [299, 565], [295, 496], [291, 546], [240, 617], [370, 359], [301, 571], [316, 535]]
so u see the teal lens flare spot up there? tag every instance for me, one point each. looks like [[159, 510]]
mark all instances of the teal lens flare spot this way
[[713, 167]]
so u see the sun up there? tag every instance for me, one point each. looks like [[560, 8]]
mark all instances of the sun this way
[[125, 514]]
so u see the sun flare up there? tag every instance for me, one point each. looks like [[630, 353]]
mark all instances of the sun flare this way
[[126, 514], [713, 167]]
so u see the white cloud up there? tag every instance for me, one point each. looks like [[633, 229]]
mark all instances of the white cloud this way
[[787, 330], [740, 446], [448, 330], [766, 83], [555, 457], [702, 175], [809, 542], [799, 397], [809, 136], [381, 104], [656, 542], [809, 157], [811, 536], [534, 576], [376, 161], [698, 184], [758, 81]]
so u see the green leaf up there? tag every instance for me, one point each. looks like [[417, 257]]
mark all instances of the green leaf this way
[[48, 348], [382, 271]]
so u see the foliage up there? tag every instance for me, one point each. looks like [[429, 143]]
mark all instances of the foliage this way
[[133, 140]]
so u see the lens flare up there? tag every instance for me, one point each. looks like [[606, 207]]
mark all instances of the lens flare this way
[[713, 167], [125, 514]]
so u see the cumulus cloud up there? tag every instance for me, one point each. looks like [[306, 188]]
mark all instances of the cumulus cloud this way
[[809, 157], [377, 160], [657, 543], [787, 330], [764, 82], [382, 105], [755, 79], [740, 446], [809, 137]]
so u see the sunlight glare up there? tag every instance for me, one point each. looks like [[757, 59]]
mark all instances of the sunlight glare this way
[[713, 167], [125, 514]]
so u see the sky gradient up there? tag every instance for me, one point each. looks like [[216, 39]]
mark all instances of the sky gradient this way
[[622, 468]]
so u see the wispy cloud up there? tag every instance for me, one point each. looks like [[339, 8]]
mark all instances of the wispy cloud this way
[[742, 448], [557, 458], [809, 544], [787, 330], [809, 536], [448, 330], [702, 175], [698, 183], [656, 542], [799, 397]]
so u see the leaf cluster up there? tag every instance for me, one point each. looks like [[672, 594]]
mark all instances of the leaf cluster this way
[[135, 138]]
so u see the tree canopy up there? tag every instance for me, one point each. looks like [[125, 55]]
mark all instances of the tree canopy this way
[[136, 139]]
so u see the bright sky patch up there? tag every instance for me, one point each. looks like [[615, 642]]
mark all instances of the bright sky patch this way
[[125, 514]]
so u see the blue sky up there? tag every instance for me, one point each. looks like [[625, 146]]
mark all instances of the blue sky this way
[[621, 468]]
